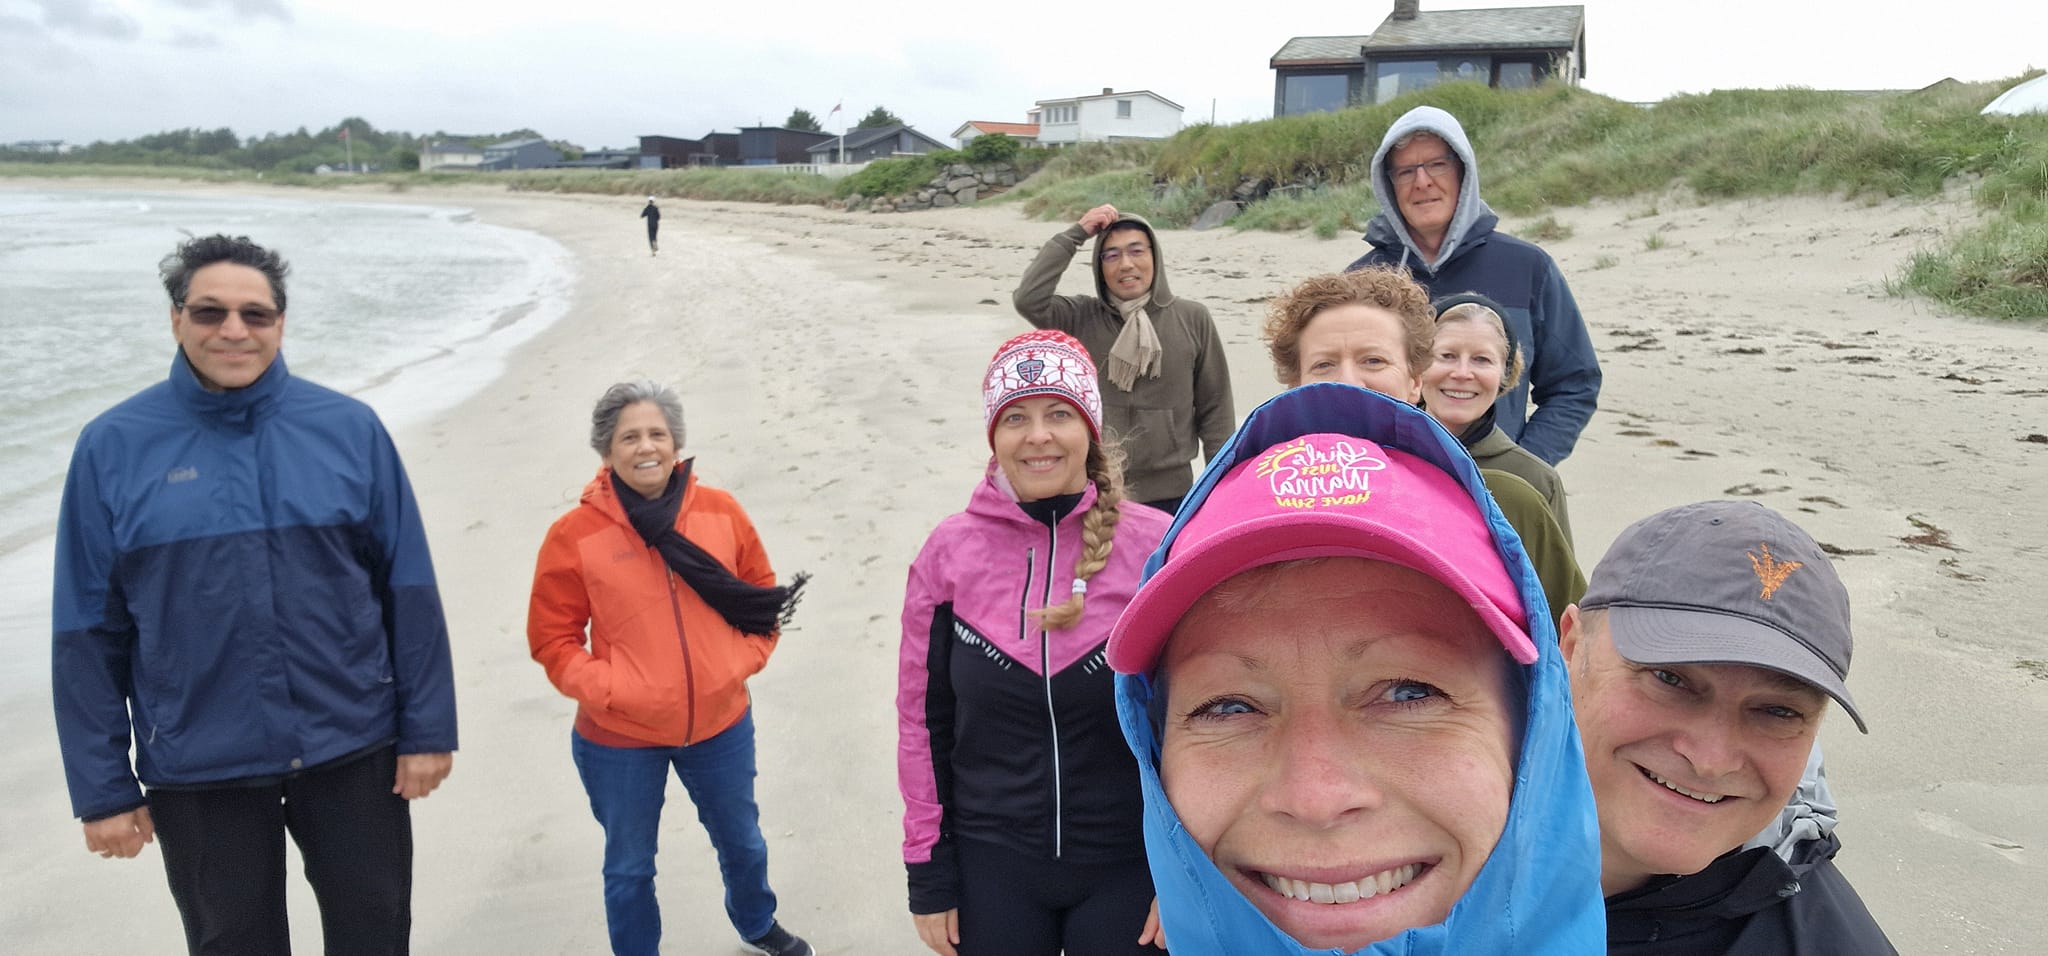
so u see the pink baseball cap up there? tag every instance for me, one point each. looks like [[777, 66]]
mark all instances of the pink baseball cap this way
[[1324, 495]]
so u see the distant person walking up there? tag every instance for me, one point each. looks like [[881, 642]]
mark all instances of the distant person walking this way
[[244, 600], [652, 213], [1433, 224], [1165, 382]]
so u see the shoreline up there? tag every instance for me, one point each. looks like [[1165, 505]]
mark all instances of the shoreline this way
[[829, 365]]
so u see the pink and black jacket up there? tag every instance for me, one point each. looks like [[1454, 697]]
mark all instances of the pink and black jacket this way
[[1007, 733]]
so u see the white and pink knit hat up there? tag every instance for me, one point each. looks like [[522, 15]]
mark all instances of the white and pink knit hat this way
[[1044, 362]]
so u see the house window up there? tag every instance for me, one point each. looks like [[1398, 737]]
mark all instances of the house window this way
[[1322, 93], [1123, 109], [1515, 76], [1392, 78]]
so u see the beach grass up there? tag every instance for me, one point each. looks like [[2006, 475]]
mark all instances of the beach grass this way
[[1557, 146]]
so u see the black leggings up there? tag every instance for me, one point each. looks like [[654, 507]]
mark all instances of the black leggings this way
[[1017, 905]]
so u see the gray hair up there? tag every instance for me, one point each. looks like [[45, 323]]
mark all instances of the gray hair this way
[[604, 419]]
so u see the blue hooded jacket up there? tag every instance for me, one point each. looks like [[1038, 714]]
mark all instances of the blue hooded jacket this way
[[1539, 891]]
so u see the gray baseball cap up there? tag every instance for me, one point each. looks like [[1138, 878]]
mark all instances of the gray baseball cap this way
[[1727, 582]]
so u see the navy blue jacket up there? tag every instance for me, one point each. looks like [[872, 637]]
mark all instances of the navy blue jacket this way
[[243, 582]]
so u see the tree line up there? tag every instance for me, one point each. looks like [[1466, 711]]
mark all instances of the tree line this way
[[299, 151]]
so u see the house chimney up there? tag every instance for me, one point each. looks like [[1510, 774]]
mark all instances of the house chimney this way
[[1107, 90], [1406, 9]]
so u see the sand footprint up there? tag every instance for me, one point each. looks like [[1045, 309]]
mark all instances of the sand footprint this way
[[1956, 829]]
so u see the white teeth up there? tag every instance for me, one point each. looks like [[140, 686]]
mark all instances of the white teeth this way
[[1378, 884], [1696, 795]]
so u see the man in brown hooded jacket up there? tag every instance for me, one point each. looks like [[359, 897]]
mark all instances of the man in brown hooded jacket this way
[[1165, 382]]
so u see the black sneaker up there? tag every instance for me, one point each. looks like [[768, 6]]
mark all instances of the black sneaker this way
[[780, 942]]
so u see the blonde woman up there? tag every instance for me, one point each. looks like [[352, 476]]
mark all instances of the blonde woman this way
[[1021, 806], [1473, 362]]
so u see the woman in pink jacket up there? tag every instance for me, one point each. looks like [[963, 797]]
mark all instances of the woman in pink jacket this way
[[1022, 830]]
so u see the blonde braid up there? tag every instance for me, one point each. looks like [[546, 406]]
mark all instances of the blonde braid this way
[[1098, 531]]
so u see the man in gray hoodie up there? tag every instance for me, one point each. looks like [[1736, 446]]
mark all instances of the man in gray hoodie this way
[[1433, 224], [1165, 383]]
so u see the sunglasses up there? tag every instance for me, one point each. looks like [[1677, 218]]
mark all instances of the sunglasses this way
[[253, 316]]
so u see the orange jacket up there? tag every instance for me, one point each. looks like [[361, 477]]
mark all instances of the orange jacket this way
[[661, 666]]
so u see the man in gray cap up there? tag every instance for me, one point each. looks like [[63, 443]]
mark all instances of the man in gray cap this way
[[1702, 658]]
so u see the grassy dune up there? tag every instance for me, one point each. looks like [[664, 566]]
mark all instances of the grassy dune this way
[[1561, 146]]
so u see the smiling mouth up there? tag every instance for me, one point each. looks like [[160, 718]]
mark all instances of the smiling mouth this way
[[1365, 888], [1681, 791], [1458, 395]]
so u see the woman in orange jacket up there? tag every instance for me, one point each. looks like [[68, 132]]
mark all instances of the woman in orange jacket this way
[[652, 604]]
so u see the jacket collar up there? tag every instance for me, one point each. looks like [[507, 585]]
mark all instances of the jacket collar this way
[[993, 498], [236, 407]]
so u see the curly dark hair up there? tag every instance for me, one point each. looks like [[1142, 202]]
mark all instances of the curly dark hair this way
[[199, 252]]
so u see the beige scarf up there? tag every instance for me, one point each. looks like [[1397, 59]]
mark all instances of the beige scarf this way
[[1137, 346]]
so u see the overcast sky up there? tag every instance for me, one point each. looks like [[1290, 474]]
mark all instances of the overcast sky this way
[[602, 73]]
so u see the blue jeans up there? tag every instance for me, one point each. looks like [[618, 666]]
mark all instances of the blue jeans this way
[[626, 787]]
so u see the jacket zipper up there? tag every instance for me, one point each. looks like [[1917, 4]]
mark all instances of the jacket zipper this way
[[675, 607], [1052, 719]]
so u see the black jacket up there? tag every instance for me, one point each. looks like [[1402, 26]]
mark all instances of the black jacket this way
[[1749, 902]]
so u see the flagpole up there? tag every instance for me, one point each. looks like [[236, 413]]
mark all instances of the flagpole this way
[[348, 145]]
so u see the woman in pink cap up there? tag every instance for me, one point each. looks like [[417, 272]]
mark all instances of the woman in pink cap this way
[[1021, 803]]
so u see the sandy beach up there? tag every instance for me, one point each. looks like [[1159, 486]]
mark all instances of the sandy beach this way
[[829, 365]]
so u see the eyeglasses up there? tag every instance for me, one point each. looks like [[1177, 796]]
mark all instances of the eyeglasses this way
[[253, 316], [1437, 169], [1111, 257]]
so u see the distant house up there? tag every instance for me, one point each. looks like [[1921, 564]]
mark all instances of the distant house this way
[[1026, 133], [669, 152], [1510, 48], [720, 149], [1107, 117], [520, 154], [875, 142], [450, 157], [603, 159], [777, 145]]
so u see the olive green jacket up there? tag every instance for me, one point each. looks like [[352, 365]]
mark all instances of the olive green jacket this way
[[1160, 421]]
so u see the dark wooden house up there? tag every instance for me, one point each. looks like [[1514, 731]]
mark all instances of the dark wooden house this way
[[1508, 48]]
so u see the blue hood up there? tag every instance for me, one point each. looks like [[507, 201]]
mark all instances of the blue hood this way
[[1539, 891]]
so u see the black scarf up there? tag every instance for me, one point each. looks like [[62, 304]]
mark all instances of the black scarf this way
[[749, 608], [1480, 428]]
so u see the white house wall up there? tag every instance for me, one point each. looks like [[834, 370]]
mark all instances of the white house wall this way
[[1097, 121]]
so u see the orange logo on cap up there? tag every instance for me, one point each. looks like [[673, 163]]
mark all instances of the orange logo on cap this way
[[1771, 571]]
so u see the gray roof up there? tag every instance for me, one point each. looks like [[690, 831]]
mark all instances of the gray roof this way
[[1322, 50], [1533, 28], [515, 143], [1521, 28], [858, 138]]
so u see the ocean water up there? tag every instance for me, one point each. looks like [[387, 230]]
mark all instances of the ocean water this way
[[409, 307]]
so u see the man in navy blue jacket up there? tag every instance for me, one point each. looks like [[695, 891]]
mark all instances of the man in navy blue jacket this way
[[1433, 224], [244, 596]]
